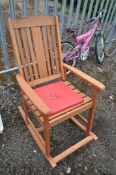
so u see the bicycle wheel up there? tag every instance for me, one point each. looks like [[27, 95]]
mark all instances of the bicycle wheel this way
[[67, 46], [99, 48], [110, 41]]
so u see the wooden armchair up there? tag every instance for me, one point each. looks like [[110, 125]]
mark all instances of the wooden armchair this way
[[36, 42]]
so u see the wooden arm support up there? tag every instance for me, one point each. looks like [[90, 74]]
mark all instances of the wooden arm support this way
[[85, 77], [36, 100]]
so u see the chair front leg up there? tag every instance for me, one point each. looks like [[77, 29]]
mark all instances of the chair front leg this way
[[92, 110], [47, 135]]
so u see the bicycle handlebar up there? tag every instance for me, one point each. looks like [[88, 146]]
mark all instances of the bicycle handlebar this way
[[101, 13], [98, 18]]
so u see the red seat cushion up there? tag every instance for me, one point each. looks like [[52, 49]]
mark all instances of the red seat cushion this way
[[58, 96]]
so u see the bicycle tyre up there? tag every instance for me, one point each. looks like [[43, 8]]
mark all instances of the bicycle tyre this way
[[99, 48], [110, 41], [69, 46]]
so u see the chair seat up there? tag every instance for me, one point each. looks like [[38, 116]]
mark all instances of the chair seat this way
[[58, 96], [86, 100]]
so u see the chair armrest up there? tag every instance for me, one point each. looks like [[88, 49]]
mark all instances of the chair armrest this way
[[36, 100], [85, 77]]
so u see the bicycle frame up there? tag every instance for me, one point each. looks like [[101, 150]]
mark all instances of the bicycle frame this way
[[83, 41]]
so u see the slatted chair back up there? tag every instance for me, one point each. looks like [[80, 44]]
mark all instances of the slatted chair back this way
[[36, 43]]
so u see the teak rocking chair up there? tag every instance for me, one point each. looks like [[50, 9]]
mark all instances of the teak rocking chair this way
[[36, 42]]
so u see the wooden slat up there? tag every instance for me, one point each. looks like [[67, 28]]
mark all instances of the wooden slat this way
[[32, 53], [81, 94], [51, 50], [33, 21], [39, 118], [59, 49], [67, 83], [80, 125], [44, 34], [76, 91], [38, 45], [21, 53], [34, 109], [71, 86], [30, 104], [40, 129], [27, 54], [82, 118], [15, 46], [43, 80], [53, 30]]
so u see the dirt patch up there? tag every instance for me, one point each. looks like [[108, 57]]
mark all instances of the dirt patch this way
[[20, 155]]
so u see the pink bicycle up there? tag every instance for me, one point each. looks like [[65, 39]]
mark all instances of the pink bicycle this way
[[72, 53]]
